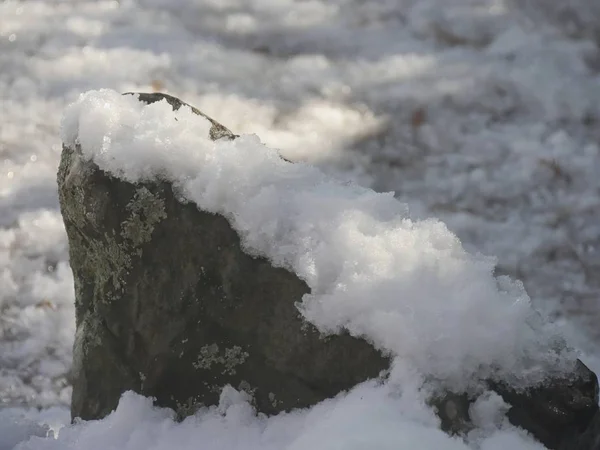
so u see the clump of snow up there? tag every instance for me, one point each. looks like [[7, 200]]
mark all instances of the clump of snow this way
[[407, 286], [370, 416]]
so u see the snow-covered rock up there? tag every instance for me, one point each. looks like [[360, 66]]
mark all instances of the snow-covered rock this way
[[202, 262]]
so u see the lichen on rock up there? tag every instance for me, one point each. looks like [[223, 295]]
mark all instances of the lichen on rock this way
[[146, 211], [71, 172], [229, 358], [187, 408], [109, 260]]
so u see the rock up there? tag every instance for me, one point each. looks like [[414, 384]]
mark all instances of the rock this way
[[217, 130], [557, 412], [588, 439], [169, 306]]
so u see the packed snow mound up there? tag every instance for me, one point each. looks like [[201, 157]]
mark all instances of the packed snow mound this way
[[370, 417], [406, 286]]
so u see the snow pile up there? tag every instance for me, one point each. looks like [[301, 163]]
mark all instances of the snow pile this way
[[408, 287], [369, 417]]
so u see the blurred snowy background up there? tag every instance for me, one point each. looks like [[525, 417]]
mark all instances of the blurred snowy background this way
[[483, 113]]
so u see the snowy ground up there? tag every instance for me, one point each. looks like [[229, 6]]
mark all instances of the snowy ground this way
[[483, 113]]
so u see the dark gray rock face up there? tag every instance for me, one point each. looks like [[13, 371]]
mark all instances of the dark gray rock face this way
[[558, 412], [169, 306], [589, 439]]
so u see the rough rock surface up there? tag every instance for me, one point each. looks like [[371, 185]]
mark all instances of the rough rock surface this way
[[558, 412], [168, 305]]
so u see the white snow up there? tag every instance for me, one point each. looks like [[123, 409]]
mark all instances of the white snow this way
[[370, 416], [481, 113]]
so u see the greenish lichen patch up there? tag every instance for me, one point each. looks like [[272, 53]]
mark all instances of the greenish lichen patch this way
[[73, 207], [72, 172], [209, 355], [109, 260], [108, 257], [246, 387], [76, 209], [188, 408], [146, 210], [230, 358], [273, 400]]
